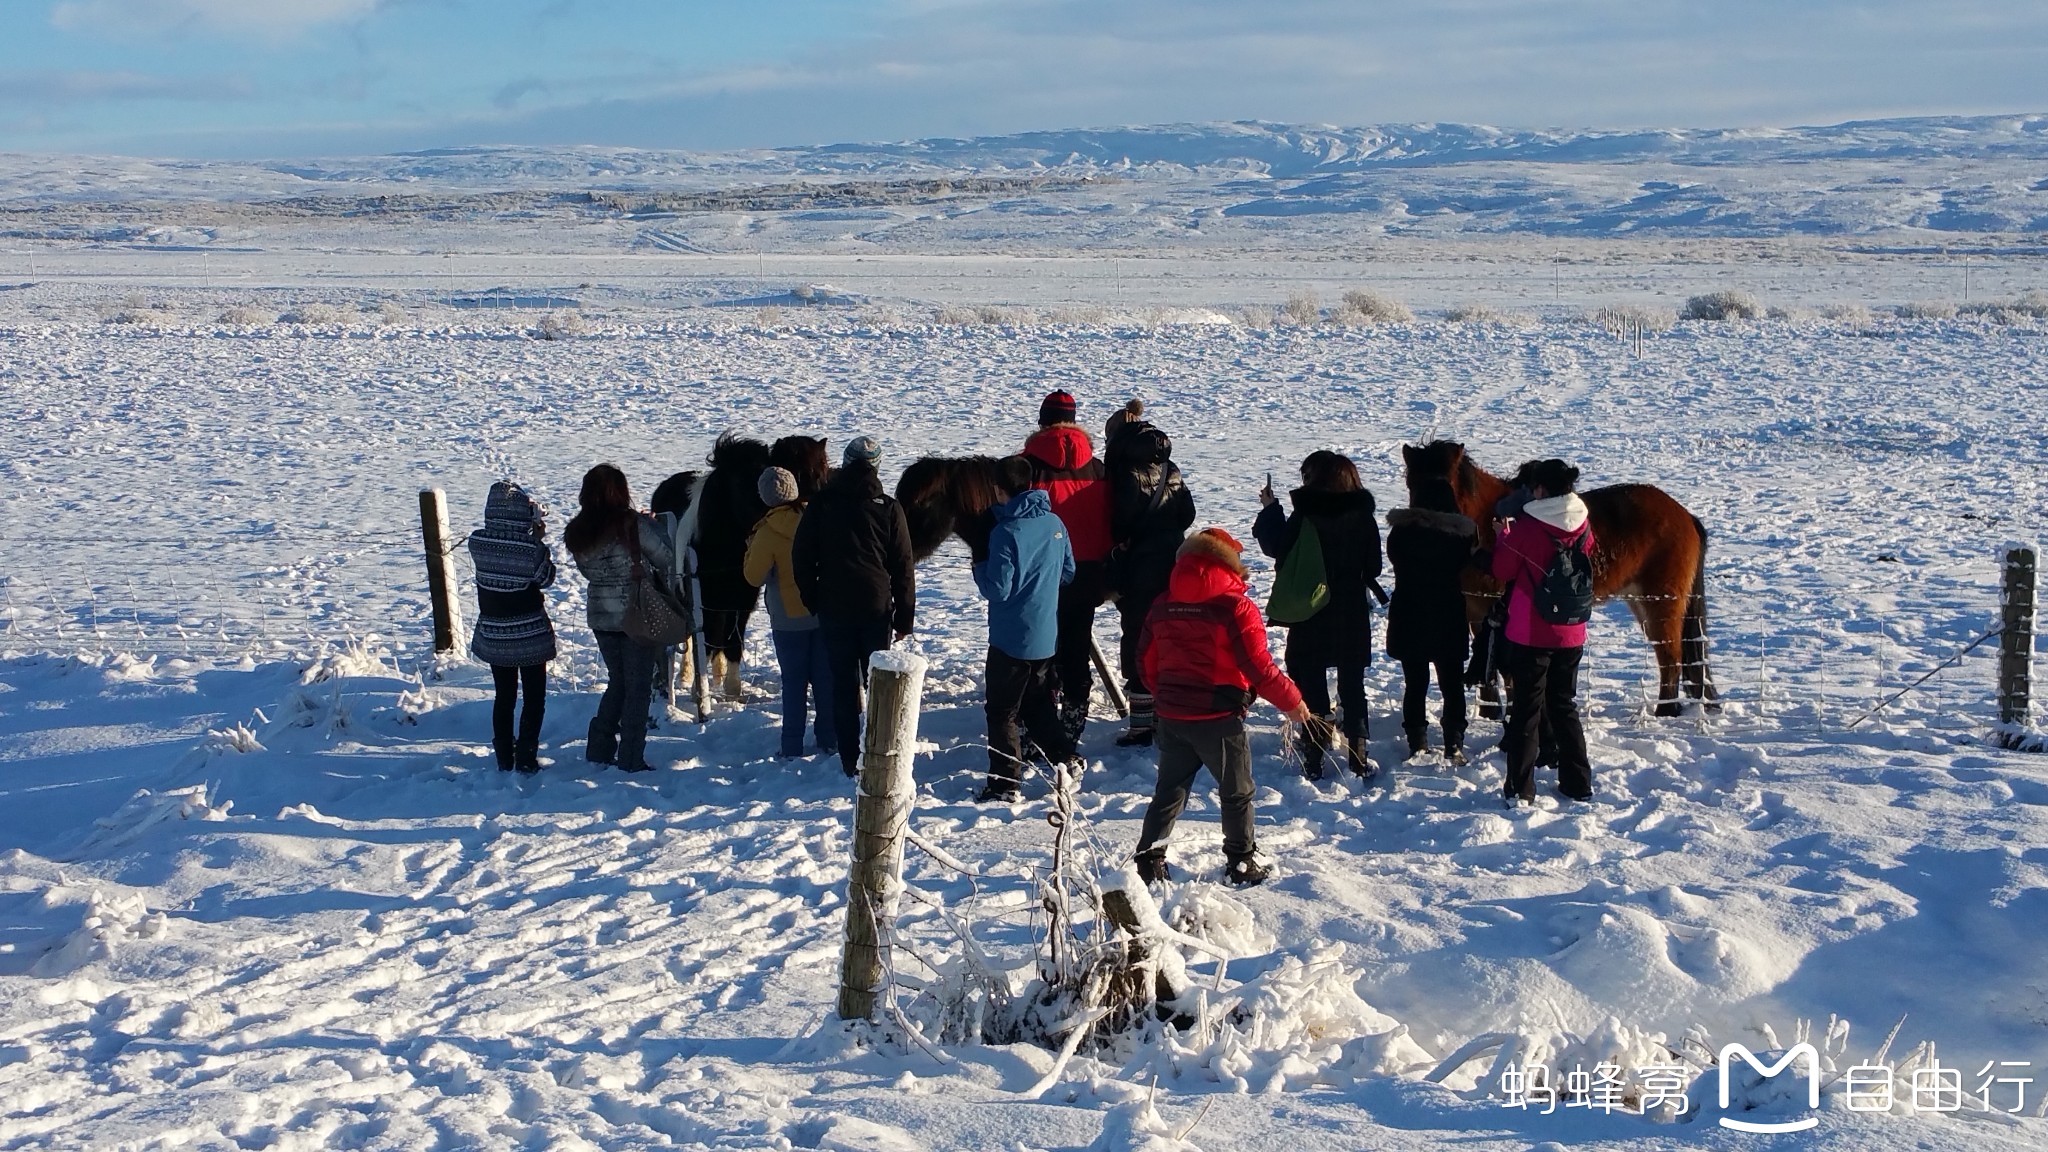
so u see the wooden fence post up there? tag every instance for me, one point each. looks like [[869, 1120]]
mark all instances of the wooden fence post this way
[[881, 814], [2016, 645], [440, 569]]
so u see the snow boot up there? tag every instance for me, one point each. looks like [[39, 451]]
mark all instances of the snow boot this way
[[1074, 718], [1314, 745], [1152, 868], [1418, 741], [526, 757], [998, 792], [1454, 747], [505, 755], [1355, 750], [1143, 721], [1246, 871]]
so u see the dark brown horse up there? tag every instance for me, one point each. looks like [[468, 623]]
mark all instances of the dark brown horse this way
[[1651, 554], [946, 496]]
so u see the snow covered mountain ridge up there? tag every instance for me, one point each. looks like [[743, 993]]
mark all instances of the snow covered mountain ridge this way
[[1947, 174]]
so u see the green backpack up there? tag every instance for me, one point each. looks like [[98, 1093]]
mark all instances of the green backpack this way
[[1302, 587]]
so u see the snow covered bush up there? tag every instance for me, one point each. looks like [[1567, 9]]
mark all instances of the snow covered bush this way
[[1302, 308], [316, 315], [979, 314], [1926, 310], [389, 314], [139, 311], [1365, 306], [1791, 313], [2031, 306], [1854, 315], [1620, 319], [1486, 314], [248, 316], [1256, 319], [560, 326], [1727, 304]]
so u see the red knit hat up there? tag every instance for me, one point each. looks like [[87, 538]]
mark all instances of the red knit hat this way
[[1058, 408]]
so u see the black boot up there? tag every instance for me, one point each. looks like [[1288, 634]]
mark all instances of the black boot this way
[[1418, 741], [1247, 870], [1454, 747], [1313, 746], [504, 752], [526, 757], [1355, 738], [1143, 720]]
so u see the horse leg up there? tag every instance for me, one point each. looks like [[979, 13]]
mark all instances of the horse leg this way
[[1699, 678], [734, 651], [1663, 623]]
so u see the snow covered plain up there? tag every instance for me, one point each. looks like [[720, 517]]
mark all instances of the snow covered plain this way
[[355, 932], [329, 922]]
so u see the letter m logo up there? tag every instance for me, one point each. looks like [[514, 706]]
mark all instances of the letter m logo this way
[[1728, 1056]]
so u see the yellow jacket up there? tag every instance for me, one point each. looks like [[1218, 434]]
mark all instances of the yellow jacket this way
[[768, 554]]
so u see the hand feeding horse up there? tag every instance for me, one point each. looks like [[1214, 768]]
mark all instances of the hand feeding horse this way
[[717, 511], [1651, 554]]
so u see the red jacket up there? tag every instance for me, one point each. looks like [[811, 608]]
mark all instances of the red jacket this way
[[1064, 467], [1522, 553], [1204, 645]]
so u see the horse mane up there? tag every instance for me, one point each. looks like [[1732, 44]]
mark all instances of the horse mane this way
[[736, 452], [804, 457], [942, 495], [674, 495]]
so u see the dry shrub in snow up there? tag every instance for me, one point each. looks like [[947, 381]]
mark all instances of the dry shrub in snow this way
[[317, 315], [136, 310], [1257, 319], [1620, 319], [560, 326], [1926, 310], [1791, 313], [248, 316], [389, 313], [1302, 308], [979, 314], [2031, 306], [1078, 317], [768, 317], [1723, 305], [1486, 314], [1852, 314], [1365, 306]]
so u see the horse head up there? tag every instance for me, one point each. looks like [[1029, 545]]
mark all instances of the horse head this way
[[945, 495], [1445, 462], [804, 457]]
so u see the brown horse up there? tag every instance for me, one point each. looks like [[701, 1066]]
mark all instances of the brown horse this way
[[1651, 554], [946, 496]]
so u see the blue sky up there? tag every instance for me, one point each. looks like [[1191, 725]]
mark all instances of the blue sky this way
[[297, 77]]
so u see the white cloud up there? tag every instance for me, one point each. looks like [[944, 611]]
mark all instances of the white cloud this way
[[266, 19]]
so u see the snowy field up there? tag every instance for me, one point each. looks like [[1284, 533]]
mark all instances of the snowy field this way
[[261, 886], [354, 932]]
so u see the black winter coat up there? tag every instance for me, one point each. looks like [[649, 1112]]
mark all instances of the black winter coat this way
[[1429, 550], [1150, 512], [851, 557], [1350, 537]]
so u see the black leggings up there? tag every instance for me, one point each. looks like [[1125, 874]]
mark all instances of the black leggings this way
[[510, 681]]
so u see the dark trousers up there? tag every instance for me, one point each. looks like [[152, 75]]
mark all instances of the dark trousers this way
[[1450, 682], [1076, 646], [618, 733], [1185, 748], [1311, 675], [1545, 691], [509, 681], [849, 641], [1132, 611], [806, 677], [1021, 690]]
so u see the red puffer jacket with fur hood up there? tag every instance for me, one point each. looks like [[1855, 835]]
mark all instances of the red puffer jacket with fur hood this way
[[1204, 646], [1064, 467]]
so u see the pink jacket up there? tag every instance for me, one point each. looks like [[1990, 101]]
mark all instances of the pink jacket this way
[[1520, 556]]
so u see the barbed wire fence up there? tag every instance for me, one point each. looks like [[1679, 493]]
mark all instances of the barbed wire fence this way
[[1812, 657]]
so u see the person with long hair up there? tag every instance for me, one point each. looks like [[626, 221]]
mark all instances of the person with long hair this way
[[606, 537], [513, 634], [1335, 504]]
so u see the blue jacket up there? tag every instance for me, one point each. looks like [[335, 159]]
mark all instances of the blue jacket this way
[[1029, 557]]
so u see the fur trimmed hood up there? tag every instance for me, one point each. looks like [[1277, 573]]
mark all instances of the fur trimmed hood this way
[[1217, 547], [1449, 523], [1062, 447], [1566, 513]]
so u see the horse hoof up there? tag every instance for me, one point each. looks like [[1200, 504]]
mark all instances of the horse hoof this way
[[1667, 708]]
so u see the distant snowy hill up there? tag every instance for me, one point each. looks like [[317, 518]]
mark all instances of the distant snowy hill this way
[[1946, 174]]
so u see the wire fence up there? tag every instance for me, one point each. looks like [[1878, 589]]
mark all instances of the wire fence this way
[[1812, 657]]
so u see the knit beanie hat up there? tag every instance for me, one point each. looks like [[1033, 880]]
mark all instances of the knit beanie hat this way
[[1058, 409], [777, 487], [1130, 413], [861, 450]]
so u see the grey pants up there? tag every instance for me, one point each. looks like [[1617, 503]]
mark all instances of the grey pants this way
[[618, 733], [1186, 747]]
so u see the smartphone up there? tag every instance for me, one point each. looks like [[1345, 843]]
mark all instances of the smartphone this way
[[1269, 480]]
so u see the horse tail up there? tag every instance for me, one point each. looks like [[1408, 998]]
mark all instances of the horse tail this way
[[1692, 646]]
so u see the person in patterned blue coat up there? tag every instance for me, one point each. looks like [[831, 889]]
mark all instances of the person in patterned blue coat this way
[[513, 634]]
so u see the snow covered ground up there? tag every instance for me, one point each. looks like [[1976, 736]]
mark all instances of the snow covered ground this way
[[260, 886], [331, 923]]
